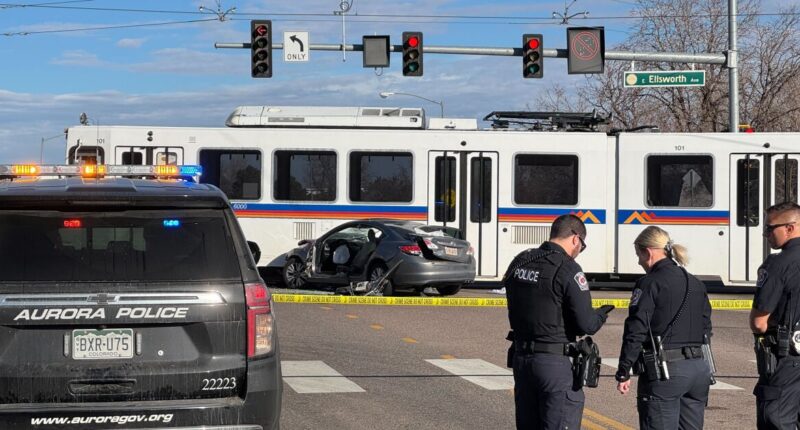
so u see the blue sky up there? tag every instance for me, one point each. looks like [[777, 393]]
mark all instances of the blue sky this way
[[172, 75]]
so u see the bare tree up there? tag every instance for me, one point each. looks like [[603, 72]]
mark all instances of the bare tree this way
[[771, 79], [769, 67]]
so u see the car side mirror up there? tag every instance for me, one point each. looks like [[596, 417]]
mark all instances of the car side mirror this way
[[255, 250], [303, 242]]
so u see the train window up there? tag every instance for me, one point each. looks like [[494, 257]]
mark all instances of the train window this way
[[546, 179], [680, 180], [237, 173], [445, 189], [305, 175], [747, 186], [86, 155], [481, 187], [381, 176], [166, 158], [132, 158], [785, 180]]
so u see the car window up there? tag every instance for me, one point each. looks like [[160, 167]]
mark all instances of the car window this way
[[121, 246], [436, 230]]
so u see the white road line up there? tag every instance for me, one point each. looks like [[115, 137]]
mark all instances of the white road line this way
[[614, 362], [611, 362], [316, 377], [479, 372], [723, 386]]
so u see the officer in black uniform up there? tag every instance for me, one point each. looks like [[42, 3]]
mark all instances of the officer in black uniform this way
[[671, 305], [775, 314], [549, 305]]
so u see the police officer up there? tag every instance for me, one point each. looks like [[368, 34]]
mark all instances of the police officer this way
[[671, 305], [549, 305], [776, 314]]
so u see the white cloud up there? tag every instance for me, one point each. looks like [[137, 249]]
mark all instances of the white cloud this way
[[193, 62], [79, 58], [130, 43]]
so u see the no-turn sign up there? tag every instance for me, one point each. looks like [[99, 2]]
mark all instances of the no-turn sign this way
[[586, 50]]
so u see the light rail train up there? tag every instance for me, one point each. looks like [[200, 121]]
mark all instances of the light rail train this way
[[293, 173]]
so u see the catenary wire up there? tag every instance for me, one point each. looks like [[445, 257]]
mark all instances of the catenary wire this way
[[379, 15], [110, 27]]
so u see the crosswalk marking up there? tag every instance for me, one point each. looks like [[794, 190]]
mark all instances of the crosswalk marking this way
[[614, 362], [316, 377], [479, 372], [723, 386], [611, 362]]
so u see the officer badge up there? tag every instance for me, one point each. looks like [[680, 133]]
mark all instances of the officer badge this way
[[762, 277], [637, 294], [583, 284]]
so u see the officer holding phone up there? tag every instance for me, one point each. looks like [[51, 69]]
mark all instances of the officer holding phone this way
[[549, 306]]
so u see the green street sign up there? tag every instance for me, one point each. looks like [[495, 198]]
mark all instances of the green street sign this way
[[685, 78]]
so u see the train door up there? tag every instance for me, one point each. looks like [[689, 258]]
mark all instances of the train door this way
[[148, 155], [462, 193], [757, 182]]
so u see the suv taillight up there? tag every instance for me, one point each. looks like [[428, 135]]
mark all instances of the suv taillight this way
[[259, 320]]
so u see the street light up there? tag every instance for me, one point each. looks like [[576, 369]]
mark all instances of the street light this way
[[386, 94], [41, 146]]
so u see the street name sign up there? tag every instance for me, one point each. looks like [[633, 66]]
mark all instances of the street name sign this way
[[679, 78], [295, 46]]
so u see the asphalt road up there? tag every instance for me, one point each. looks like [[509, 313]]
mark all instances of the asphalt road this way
[[425, 367]]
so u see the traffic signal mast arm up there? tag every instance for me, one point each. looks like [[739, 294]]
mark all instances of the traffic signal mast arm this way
[[665, 57]]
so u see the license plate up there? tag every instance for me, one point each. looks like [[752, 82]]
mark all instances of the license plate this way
[[450, 251], [102, 344]]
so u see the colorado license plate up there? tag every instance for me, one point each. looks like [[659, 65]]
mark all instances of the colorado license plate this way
[[102, 344], [450, 251]]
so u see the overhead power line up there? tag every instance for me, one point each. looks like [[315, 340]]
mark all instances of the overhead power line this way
[[9, 6], [108, 27], [401, 16]]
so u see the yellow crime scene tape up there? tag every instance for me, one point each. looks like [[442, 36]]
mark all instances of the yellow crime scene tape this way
[[719, 304]]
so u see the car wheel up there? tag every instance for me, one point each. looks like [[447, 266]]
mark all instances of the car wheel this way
[[378, 270], [449, 290], [294, 273]]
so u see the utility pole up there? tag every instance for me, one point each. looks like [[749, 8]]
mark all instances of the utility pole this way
[[733, 71], [41, 146]]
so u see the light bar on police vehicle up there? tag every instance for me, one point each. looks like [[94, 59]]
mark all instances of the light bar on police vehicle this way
[[100, 170]]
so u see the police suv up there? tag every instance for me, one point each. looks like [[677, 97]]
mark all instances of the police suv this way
[[130, 303]]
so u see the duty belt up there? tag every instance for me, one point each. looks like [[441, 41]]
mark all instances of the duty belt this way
[[683, 353], [530, 347]]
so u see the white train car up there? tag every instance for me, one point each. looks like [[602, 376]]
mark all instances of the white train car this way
[[294, 173]]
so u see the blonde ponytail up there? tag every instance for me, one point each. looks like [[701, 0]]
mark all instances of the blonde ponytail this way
[[655, 237]]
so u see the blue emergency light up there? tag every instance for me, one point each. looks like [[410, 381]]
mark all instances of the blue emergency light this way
[[172, 223], [191, 170]]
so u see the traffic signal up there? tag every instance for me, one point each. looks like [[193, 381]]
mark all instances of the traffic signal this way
[[532, 58], [412, 53], [261, 48]]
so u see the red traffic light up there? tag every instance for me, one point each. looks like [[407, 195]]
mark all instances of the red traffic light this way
[[533, 43], [261, 30], [412, 53]]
